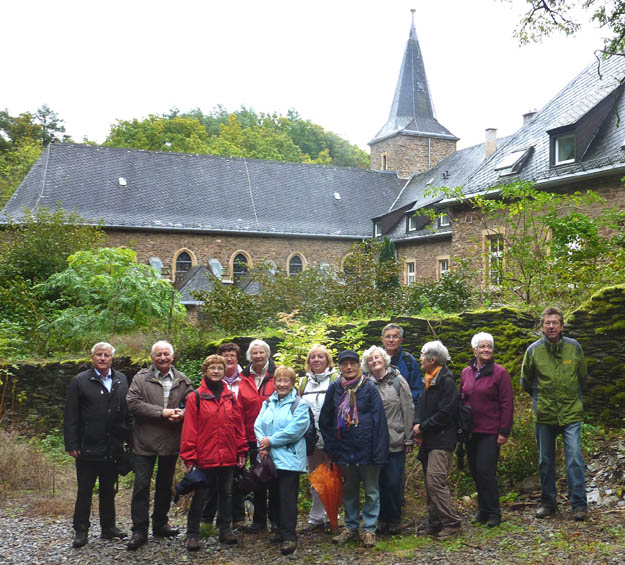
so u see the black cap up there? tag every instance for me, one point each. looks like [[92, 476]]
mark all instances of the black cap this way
[[348, 354]]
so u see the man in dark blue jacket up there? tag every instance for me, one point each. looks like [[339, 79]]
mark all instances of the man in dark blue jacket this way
[[355, 435], [392, 338], [95, 429]]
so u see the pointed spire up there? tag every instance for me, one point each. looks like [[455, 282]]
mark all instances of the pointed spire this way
[[412, 111]]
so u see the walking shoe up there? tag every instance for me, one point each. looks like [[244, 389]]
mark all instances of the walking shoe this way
[[345, 536], [427, 529], [226, 536], [494, 521], [543, 511], [312, 527], [382, 528], [448, 532], [113, 533], [81, 537], [192, 543], [394, 529], [288, 547], [368, 538], [165, 531], [275, 538], [137, 540], [580, 514], [479, 518], [255, 528]]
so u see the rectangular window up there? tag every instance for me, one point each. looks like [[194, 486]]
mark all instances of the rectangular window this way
[[412, 222], [443, 267], [384, 162], [565, 149], [377, 229], [443, 219], [410, 272], [495, 260]]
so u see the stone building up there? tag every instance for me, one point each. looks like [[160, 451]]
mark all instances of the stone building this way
[[181, 211]]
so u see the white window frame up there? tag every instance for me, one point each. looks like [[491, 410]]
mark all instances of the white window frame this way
[[443, 219], [411, 272], [442, 266], [377, 229], [412, 222], [495, 259], [556, 148]]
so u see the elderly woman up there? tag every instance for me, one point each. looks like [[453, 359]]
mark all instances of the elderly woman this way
[[436, 434], [280, 429], [355, 435], [486, 387], [257, 382], [312, 388], [213, 439], [399, 410], [250, 405]]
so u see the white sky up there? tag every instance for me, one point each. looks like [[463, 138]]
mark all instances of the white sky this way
[[335, 61]]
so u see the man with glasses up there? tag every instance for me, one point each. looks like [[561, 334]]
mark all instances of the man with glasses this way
[[554, 373]]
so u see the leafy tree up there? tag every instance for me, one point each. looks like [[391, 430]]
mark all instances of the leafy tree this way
[[544, 17], [105, 292], [387, 255]]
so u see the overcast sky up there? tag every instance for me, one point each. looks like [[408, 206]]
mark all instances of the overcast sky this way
[[335, 61]]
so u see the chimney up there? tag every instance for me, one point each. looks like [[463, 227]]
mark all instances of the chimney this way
[[491, 141], [529, 116]]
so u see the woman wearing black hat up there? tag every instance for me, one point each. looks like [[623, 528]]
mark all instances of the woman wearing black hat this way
[[355, 435]]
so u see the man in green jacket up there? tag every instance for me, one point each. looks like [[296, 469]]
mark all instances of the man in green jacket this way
[[554, 373]]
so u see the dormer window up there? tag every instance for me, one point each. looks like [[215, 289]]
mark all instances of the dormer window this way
[[564, 150], [443, 219], [377, 229], [412, 222]]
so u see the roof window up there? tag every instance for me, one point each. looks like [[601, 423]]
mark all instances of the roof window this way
[[122, 181], [513, 162]]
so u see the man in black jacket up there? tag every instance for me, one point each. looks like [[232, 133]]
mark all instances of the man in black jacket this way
[[435, 433], [95, 428]]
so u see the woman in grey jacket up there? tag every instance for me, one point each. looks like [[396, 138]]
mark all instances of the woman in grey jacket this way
[[399, 410]]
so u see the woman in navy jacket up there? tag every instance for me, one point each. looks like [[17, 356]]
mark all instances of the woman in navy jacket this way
[[486, 387]]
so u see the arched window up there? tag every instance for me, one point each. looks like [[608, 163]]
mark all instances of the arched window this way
[[183, 264], [240, 266], [296, 265]]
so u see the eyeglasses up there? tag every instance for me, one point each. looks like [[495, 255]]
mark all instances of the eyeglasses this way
[[551, 324]]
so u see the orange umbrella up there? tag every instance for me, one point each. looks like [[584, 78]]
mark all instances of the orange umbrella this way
[[328, 482]]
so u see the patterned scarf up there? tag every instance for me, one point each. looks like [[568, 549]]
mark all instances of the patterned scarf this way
[[347, 411]]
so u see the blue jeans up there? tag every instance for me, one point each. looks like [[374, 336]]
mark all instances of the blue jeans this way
[[391, 482], [546, 435], [353, 475]]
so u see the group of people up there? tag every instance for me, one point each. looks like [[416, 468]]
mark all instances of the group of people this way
[[369, 413]]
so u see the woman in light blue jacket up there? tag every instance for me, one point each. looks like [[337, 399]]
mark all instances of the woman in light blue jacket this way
[[280, 430]]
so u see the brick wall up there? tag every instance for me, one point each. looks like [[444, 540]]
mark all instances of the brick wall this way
[[202, 247], [408, 154]]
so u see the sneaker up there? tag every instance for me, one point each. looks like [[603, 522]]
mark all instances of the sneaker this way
[[288, 547], [113, 533], [448, 532], [368, 538], [192, 543], [543, 511], [80, 538], [313, 527], [345, 536], [580, 514]]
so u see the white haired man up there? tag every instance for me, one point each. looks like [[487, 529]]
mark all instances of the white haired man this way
[[156, 399], [95, 428]]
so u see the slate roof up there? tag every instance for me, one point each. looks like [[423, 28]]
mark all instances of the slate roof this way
[[412, 111], [204, 193], [580, 97]]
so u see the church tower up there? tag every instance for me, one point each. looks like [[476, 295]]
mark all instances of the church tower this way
[[412, 140]]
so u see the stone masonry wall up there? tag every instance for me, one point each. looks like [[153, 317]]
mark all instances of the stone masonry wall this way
[[425, 254], [408, 154], [202, 247]]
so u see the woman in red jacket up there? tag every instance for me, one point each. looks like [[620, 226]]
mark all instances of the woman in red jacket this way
[[486, 387], [213, 439]]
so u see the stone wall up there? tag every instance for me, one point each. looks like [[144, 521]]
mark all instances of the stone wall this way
[[409, 154], [202, 247], [425, 254]]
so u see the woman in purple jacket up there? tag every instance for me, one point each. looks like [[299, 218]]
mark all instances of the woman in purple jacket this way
[[486, 387]]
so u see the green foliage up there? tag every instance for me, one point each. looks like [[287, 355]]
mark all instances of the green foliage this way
[[105, 292], [297, 339], [243, 133]]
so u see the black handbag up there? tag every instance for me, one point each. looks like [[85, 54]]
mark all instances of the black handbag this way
[[124, 464], [262, 472]]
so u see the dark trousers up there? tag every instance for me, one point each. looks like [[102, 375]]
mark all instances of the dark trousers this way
[[86, 474], [391, 491], [483, 453], [220, 483], [140, 505], [210, 507], [283, 505], [260, 498]]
